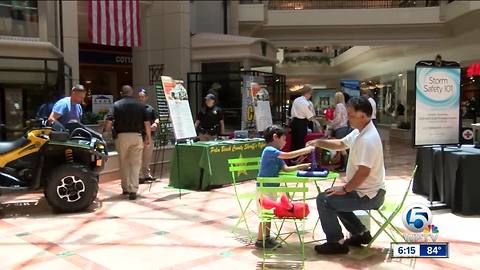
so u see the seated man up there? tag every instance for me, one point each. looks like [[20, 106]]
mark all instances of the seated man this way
[[364, 188]]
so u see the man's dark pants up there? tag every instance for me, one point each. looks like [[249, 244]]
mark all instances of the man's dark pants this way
[[342, 206]]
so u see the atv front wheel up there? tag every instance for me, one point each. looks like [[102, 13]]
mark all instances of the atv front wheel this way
[[71, 188]]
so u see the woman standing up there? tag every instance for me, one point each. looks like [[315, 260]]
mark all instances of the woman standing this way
[[340, 125]]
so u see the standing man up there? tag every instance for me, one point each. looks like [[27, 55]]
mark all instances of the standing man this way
[[209, 123], [69, 108], [301, 113], [129, 119], [365, 183], [145, 173]]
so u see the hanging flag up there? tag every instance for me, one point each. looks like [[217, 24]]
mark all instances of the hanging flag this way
[[114, 22]]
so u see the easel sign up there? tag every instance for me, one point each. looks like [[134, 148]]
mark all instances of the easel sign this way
[[437, 106], [180, 114]]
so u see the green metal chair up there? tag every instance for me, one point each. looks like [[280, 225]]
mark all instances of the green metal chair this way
[[287, 185], [385, 220], [236, 166]]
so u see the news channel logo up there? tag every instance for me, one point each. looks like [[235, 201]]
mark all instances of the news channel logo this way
[[418, 218]]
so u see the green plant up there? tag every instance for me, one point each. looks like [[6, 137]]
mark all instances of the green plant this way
[[91, 118]]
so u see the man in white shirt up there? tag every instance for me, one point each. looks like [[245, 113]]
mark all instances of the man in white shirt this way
[[368, 94], [365, 183], [301, 113]]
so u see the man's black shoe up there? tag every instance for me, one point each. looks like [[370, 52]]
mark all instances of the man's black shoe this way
[[132, 196], [141, 180], [331, 248], [359, 239], [125, 192]]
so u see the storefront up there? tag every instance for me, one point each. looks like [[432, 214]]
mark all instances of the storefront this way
[[470, 89], [104, 69], [25, 84]]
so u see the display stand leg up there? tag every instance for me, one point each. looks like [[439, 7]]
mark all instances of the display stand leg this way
[[178, 170], [436, 205], [155, 161]]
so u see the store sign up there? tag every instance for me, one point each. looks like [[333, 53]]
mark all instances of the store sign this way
[[104, 58], [473, 70], [101, 103], [437, 111]]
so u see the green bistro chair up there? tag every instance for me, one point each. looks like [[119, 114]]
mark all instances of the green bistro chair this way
[[385, 221], [243, 165], [287, 185]]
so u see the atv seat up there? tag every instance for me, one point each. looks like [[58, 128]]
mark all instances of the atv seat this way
[[6, 147]]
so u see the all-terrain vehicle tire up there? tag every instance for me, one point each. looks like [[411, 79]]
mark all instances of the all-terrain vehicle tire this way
[[71, 188]]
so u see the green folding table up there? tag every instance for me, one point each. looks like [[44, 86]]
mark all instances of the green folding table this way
[[203, 165]]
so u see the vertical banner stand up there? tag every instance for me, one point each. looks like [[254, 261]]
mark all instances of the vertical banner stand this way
[[438, 83]]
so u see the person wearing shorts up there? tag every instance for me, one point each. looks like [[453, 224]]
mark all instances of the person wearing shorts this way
[[271, 163]]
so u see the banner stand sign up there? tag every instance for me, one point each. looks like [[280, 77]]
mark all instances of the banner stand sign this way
[[437, 103], [437, 118]]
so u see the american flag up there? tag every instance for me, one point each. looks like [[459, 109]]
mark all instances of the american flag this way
[[114, 22]]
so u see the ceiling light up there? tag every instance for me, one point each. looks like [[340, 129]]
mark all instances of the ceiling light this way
[[88, 82], [400, 74]]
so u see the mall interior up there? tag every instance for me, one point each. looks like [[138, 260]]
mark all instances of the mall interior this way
[[46, 48]]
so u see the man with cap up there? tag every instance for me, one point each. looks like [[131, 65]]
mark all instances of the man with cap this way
[[145, 173], [69, 108], [209, 123], [130, 120]]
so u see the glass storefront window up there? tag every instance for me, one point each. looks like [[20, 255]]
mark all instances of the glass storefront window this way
[[19, 18]]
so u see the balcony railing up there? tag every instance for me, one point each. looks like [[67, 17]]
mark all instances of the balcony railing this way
[[306, 57], [335, 4]]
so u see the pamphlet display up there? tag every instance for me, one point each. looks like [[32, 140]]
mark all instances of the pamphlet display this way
[[437, 108], [180, 114]]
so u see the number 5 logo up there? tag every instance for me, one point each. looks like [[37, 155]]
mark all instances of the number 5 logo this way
[[416, 217]]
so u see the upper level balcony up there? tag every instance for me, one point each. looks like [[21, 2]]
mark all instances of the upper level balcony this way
[[376, 22], [366, 4]]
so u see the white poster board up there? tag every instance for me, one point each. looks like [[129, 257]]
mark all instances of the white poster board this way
[[180, 114], [437, 108], [101, 103]]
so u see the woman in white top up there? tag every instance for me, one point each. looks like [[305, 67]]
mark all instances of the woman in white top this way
[[340, 125]]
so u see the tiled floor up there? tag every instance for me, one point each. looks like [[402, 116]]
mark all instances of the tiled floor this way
[[163, 231]]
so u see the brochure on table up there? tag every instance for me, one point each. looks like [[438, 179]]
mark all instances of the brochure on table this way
[[437, 108], [180, 114]]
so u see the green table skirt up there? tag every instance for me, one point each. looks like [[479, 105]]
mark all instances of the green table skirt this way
[[203, 165]]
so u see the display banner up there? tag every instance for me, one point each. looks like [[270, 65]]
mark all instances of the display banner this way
[[248, 110], [261, 105], [437, 107], [180, 114], [351, 87], [163, 113]]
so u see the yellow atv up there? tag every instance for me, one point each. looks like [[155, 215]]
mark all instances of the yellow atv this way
[[64, 161]]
